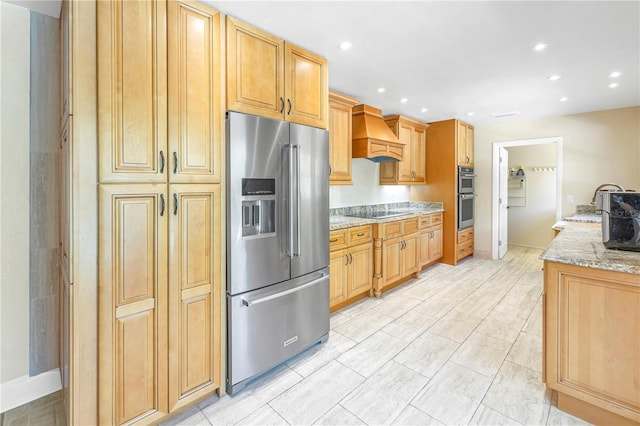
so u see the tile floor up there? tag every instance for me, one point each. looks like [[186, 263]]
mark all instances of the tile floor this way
[[457, 346]]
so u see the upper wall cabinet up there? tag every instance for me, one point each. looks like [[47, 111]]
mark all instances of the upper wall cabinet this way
[[340, 138], [154, 126], [464, 138], [269, 77], [412, 169]]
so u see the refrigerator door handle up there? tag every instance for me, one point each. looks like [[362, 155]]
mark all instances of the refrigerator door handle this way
[[289, 180], [296, 247], [251, 302]]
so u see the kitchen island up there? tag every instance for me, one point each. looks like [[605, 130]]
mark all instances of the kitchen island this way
[[591, 326]]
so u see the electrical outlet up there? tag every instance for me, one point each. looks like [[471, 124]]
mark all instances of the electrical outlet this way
[[569, 199]]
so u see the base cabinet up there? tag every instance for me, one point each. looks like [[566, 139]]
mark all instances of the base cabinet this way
[[396, 246], [464, 247], [591, 342], [351, 264], [430, 239]]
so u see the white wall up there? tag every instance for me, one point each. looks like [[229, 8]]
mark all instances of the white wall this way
[[366, 188], [530, 225], [598, 147], [14, 191]]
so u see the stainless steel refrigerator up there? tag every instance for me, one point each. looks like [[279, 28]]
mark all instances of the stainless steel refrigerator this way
[[277, 243]]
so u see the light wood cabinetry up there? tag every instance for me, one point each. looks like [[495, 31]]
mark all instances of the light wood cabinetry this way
[[465, 243], [412, 169], [442, 155], [66, 199], [591, 342], [430, 239], [396, 247], [351, 265], [273, 78], [464, 140], [340, 138]]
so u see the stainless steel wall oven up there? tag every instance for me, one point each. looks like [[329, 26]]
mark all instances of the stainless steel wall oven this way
[[466, 196]]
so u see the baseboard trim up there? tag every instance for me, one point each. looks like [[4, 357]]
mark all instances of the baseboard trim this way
[[22, 390]]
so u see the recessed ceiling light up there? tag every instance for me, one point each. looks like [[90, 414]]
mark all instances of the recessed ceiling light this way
[[540, 46], [345, 45], [613, 85], [615, 74], [382, 90], [404, 100], [471, 113], [563, 99], [424, 110], [554, 77]]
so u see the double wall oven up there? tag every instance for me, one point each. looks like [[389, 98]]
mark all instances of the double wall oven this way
[[466, 196]]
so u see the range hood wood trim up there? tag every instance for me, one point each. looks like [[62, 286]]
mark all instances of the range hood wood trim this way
[[372, 138]]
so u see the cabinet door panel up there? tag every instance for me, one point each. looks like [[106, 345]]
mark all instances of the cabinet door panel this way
[[255, 71], [410, 255], [340, 143], [194, 82], [194, 268], [469, 138], [132, 110], [361, 269], [392, 260], [338, 276], [461, 143], [405, 170], [132, 302], [424, 251], [435, 244], [307, 89], [418, 159]]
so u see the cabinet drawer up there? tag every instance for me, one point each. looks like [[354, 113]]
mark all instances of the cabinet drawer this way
[[465, 235], [465, 249], [425, 221], [436, 218], [359, 234], [338, 239], [391, 230], [409, 226]]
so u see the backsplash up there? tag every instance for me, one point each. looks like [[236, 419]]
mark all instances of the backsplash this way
[[344, 211], [585, 209]]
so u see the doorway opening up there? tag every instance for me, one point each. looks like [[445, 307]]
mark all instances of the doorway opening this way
[[498, 203]]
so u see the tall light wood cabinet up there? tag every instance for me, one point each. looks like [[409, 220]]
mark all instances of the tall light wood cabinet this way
[[340, 156], [160, 149], [411, 170], [273, 78]]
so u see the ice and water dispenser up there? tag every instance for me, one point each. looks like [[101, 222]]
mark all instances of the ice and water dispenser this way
[[258, 207]]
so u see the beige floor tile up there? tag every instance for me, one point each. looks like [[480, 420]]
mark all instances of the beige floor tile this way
[[453, 395], [486, 416], [410, 325], [361, 306], [338, 318], [384, 395], [372, 353], [455, 326], [423, 290], [482, 354], [518, 393], [558, 417], [339, 415], [363, 325], [310, 399], [478, 304], [527, 352], [396, 305], [534, 322], [231, 409], [413, 416], [427, 354], [319, 355], [501, 326], [264, 415], [191, 417]]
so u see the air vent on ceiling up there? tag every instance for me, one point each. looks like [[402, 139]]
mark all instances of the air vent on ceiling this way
[[505, 114]]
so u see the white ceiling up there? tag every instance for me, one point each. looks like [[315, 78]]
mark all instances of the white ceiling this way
[[456, 57], [459, 57]]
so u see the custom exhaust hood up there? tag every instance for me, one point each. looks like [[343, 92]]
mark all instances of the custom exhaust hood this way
[[372, 138]]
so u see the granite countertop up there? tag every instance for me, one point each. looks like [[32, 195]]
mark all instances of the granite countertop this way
[[581, 245], [588, 217], [338, 220]]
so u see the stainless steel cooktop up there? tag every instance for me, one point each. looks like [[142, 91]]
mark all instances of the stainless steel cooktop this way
[[379, 214]]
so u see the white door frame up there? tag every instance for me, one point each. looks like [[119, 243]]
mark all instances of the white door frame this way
[[496, 182]]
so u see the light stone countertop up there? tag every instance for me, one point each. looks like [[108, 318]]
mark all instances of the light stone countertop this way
[[341, 222], [580, 244]]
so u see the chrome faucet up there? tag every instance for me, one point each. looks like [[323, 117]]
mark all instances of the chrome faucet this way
[[615, 185]]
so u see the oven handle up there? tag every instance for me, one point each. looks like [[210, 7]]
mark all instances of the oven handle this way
[[246, 302], [467, 196]]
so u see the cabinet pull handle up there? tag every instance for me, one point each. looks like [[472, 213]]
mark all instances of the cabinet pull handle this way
[[175, 204], [330, 170], [161, 204], [361, 235], [289, 102], [346, 259], [161, 162], [281, 104], [350, 258], [334, 240], [175, 162]]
